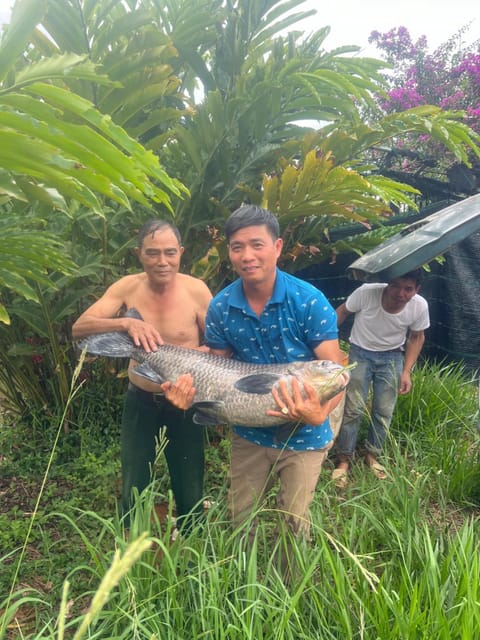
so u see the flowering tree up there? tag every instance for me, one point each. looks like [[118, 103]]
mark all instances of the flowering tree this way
[[449, 78]]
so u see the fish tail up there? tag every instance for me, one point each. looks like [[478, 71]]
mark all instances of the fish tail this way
[[115, 344]]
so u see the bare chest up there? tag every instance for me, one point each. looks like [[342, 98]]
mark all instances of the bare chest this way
[[174, 315]]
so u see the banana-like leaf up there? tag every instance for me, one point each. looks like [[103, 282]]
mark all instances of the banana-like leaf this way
[[88, 157], [85, 110], [43, 162], [13, 280], [77, 150], [317, 195], [97, 157], [63, 66]]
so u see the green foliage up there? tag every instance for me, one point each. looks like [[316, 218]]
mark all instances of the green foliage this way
[[53, 137], [263, 90], [57, 147], [439, 417], [27, 254], [314, 199], [255, 128]]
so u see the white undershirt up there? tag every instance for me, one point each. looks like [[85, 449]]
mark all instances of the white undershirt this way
[[377, 330]]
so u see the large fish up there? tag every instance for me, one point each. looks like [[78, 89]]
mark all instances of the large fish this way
[[227, 391]]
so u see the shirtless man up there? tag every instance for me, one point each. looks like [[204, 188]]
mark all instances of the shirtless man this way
[[173, 307]]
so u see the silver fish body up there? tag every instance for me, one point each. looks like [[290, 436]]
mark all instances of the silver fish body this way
[[235, 392], [227, 391]]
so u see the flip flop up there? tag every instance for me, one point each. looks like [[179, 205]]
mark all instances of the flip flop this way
[[378, 471], [340, 479]]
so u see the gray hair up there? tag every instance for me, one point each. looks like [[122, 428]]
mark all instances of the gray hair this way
[[153, 225]]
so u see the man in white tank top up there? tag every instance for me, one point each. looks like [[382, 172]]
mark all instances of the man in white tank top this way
[[386, 339]]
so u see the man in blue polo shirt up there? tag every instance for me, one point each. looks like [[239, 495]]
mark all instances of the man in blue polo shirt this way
[[268, 316]]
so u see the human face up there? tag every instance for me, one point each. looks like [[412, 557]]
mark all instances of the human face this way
[[254, 254], [397, 293], [160, 256]]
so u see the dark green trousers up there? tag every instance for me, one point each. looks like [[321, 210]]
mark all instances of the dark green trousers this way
[[144, 415]]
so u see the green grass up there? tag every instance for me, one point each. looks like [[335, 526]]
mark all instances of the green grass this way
[[394, 559]]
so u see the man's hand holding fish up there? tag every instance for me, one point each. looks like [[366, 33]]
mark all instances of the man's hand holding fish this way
[[303, 407], [181, 392]]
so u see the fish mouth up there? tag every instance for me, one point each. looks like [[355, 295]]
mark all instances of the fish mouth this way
[[345, 378], [340, 380]]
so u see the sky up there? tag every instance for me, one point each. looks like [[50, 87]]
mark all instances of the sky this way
[[351, 21], [5, 10]]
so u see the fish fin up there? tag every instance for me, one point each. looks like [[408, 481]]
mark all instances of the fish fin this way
[[145, 371], [203, 412], [203, 418], [114, 344], [260, 383]]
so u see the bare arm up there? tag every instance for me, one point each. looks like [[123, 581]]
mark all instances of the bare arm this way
[[413, 347], [102, 316], [342, 313], [329, 350]]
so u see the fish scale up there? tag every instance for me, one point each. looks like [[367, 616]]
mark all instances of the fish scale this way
[[227, 391]]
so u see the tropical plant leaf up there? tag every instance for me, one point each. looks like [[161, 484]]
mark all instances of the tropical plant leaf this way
[[62, 67]]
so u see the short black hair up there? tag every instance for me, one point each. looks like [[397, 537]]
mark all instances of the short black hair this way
[[156, 224], [416, 275], [251, 215]]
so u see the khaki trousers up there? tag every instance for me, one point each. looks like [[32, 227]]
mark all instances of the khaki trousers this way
[[253, 471]]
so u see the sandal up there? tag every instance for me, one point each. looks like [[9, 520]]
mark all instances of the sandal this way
[[340, 478], [378, 471]]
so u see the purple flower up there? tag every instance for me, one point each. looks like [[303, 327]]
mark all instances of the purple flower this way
[[403, 98]]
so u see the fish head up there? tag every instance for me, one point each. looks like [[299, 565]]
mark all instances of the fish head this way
[[327, 377]]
